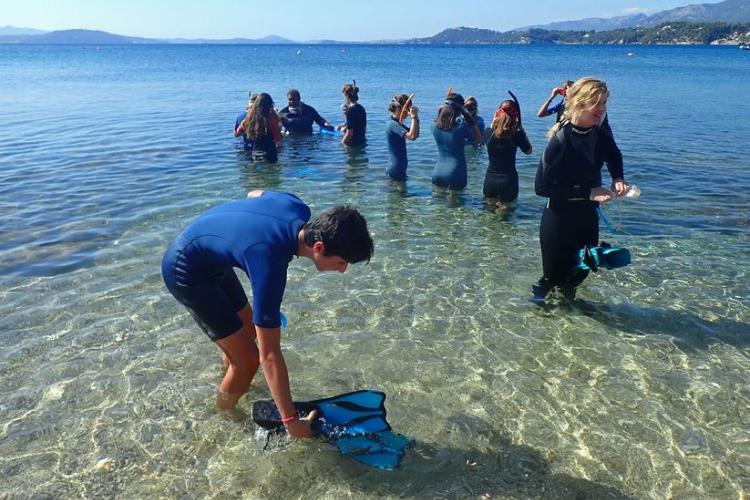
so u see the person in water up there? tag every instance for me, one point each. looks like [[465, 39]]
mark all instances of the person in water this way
[[355, 128], [397, 133], [259, 235], [247, 143], [569, 175], [451, 136], [260, 127], [501, 179], [558, 109], [298, 117], [472, 106], [555, 109]]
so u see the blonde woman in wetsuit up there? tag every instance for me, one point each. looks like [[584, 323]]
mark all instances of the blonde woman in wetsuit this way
[[569, 175]]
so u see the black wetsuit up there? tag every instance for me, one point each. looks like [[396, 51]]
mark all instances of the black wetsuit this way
[[356, 121], [501, 179], [299, 120], [570, 167]]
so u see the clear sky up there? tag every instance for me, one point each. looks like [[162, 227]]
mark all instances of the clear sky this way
[[352, 20]]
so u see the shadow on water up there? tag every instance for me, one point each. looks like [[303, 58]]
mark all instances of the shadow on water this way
[[355, 170], [690, 332], [489, 466], [257, 173]]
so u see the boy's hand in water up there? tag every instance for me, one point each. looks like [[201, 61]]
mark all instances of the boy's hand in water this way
[[300, 428]]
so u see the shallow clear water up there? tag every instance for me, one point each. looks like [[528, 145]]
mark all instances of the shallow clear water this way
[[106, 385]]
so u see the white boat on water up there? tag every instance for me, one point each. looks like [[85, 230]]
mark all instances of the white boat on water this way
[[744, 47]]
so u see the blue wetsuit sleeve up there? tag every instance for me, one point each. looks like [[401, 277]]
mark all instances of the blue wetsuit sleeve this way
[[467, 131], [552, 180], [268, 279], [553, 108], [397, 128]]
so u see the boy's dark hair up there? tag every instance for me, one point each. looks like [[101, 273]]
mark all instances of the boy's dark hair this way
[[343, 231]]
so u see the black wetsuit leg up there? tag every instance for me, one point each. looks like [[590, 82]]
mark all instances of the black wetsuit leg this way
[[564, 230], [267, 145], [502, 185]]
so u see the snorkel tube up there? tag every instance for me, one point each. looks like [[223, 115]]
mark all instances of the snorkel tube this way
[[518, 106], [405, 108]]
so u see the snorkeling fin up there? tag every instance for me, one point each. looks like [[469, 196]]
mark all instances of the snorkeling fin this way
[[357, 412], [605, 255], [333, 132], [354, 422], [383, 450]]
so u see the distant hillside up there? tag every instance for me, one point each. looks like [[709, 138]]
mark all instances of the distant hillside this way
[[267, 40], [77, 37], [13, 31], [93, 37], [728, 11], [667, 34]]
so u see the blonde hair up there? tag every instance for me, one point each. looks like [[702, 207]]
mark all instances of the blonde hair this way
[[584, 93], [505, 123]]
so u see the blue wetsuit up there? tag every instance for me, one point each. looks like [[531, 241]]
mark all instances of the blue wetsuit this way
[[395, 132], [299, 120], [247, 143], [450, 170], [356, 121], [258, 235], [480, 123]]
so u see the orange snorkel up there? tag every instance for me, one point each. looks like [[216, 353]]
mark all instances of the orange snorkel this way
[[405, 108]]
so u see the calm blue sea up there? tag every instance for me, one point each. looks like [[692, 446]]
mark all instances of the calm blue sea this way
[[640, 390]]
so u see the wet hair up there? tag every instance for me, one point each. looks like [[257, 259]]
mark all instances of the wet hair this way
[[256, 121], [449, 111], [446, 117], [294, 93], [584, 93], [453, 99], [251, 99], [505, 122], [343, 232], [398, 101], [351, 91]]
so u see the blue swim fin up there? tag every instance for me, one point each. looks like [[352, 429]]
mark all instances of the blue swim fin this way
[[354, 422], [326, 131], [383, 450], [605, 255], [356, 412]]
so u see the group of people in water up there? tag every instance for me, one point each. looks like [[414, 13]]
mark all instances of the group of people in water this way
[[261, 234]]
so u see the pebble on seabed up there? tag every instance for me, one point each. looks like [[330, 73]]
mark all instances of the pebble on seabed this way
[[105, 465]]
